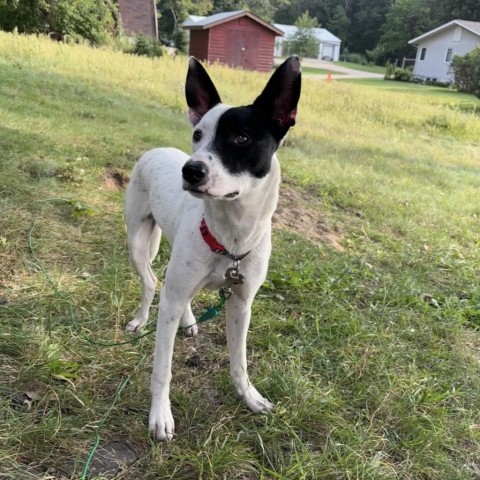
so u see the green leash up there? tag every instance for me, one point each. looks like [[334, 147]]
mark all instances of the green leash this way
[[212, 312]]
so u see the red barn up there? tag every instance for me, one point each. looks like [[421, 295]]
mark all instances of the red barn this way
[[237, 39]]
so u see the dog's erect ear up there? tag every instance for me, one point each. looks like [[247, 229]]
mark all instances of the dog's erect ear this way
[[279, 99], [200, 91]]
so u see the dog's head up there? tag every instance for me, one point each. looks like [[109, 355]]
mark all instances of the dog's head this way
[[233, 146]]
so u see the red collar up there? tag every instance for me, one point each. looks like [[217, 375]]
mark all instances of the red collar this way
[[212, 242]]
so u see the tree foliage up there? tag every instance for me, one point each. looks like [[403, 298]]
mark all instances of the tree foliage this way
[[406, 19], [303, 42], [92, 20]]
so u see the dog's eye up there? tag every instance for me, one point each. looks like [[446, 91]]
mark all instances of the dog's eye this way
[[241, 140], [197, 135]]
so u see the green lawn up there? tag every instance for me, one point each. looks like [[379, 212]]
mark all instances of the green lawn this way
[[365, 334], [318, 71], [429, 92], [362, 68]]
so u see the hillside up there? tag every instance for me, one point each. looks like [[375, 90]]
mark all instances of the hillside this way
[[366, 333]]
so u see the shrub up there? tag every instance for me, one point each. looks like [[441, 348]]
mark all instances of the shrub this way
[[377, 55], [354, 58], [399, 74], [148, 46], [466, 71], [389, 71], [402, 75], [180, 40]]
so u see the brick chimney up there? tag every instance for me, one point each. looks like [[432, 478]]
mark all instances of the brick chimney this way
[[139, 16]]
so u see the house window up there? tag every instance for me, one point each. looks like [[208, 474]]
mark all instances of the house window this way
[[423, 52], [457, 34], [448, 56]]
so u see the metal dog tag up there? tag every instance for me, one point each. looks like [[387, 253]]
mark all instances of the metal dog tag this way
[[233, 277]]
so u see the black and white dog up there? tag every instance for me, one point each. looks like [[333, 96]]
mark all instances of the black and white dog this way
[[215, 208]]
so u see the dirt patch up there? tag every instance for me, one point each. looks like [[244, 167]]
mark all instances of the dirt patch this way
[[115, 179], [300, 212]]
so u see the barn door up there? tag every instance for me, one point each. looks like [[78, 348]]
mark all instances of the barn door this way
[[242, 49]]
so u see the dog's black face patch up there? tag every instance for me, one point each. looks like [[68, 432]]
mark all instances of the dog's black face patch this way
[[243, 142]]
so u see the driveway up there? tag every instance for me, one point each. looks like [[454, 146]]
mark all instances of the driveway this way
[[338, 72]]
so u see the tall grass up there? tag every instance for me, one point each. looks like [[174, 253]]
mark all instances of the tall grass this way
[[365, 333]]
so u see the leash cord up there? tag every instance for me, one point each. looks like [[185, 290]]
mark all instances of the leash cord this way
[[70, 304], [208, 314]]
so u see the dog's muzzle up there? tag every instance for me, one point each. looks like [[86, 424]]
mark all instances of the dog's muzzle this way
[[195, 173]]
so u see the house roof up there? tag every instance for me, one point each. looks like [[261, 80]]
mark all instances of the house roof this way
[[195, 22], [322, 34], [473, 27]]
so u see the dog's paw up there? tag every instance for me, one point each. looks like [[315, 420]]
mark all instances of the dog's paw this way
[[256, 402], [161, 424], [135, 326]]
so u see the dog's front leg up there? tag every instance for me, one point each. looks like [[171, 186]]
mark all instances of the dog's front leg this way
[[161, 422], [238, 320]]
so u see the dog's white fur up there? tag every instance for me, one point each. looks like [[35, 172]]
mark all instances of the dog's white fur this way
[[155, 199]]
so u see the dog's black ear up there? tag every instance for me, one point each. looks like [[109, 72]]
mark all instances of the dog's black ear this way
[[200, 91], [279, 99]]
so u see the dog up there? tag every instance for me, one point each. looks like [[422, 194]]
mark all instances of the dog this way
[[215, 208]]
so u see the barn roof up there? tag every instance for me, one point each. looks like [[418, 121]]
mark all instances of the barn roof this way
[[321, 34], [202, 23], [473, 27]]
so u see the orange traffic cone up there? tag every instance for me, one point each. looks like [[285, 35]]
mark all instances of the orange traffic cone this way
[[329, 77]]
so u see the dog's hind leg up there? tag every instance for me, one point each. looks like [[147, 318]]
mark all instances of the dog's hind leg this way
[[143, 242], [154, 243], [188, 322]]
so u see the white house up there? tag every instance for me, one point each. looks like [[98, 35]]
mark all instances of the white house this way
[[328, 44], [435, 49]]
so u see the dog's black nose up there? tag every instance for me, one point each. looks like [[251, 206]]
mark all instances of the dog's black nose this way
[[195, 173]]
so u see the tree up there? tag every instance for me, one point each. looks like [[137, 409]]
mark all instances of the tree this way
[[265, 9], [366, 21], [92, 20], [339, 23], [88, 19], [443, 11], [303, 42], [466, 71], [27, 16], [173, 12], [406, 19]]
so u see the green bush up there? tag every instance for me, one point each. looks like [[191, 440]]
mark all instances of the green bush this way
[[180, 40], [389, 71], [148, 46], [402, 75], [399, 74], [466, 71]]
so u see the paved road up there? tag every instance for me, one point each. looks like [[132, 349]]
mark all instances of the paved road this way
[[342, 72]]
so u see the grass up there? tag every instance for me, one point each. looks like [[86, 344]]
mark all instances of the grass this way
[[429, 92], [318, 71], [365, 333], [362, 68]]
